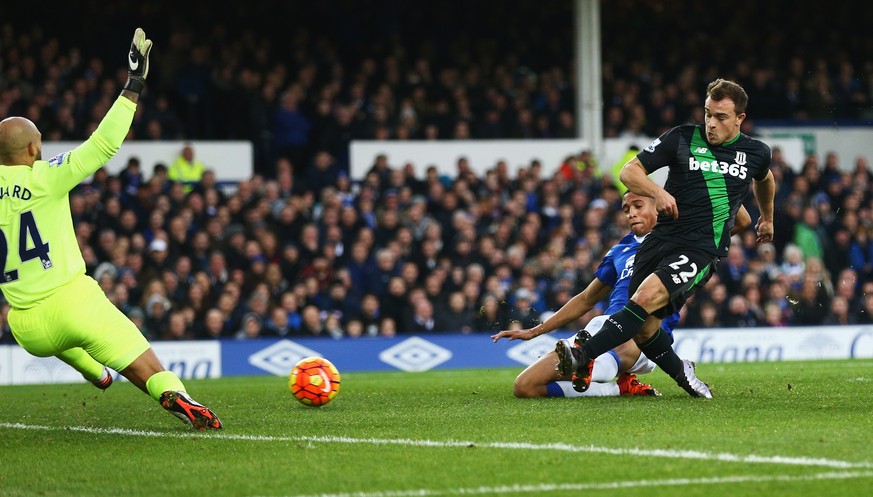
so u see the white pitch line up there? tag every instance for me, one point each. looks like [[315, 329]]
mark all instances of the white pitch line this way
[[560, 447], [616, 485]]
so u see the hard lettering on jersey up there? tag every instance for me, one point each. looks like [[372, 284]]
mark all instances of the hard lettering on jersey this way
[[16, 191]]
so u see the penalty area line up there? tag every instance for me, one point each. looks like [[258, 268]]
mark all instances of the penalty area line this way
[[615, 485], [559, 447]]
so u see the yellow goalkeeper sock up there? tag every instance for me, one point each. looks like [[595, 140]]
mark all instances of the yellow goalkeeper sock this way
[[159, 383]]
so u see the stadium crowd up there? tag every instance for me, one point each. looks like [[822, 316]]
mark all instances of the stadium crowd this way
[[302, 249]]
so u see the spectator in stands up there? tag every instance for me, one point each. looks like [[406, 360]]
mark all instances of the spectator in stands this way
[[386, 268], [709, 316], [311, 324], [865, 311], [333, 325], [809, 234], [815, 269], [186, 169], [213, 325], [732, 269], [793, 265], [291, 128], [773, 316], [846, 286], [455, 317], [859, 253], [177, 327], [157, 309], [522, 311], [252, 327], [323, 172], [131, 179], [370, 315], [354, 329], [422, 318], [839, 313], [810, 303], [388, 327], [739, 314]]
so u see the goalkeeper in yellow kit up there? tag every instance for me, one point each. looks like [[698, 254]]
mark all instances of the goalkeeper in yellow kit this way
[[57, 310]]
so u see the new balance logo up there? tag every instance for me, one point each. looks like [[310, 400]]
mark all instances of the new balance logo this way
[[701, 150]]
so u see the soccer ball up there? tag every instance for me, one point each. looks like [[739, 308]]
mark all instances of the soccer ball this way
[[314, 381]]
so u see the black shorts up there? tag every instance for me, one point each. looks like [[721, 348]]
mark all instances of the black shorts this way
[[681, 269]]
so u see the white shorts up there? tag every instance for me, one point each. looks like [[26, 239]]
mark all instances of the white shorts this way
[[595, 324]]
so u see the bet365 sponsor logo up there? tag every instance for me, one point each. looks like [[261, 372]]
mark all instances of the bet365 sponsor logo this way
[[715, 166], [738, 169]]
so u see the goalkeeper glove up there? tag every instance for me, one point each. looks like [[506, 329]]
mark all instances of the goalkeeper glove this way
[[138, 62]]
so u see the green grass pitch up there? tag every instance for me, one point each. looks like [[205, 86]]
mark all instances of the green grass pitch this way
[[774, 429]]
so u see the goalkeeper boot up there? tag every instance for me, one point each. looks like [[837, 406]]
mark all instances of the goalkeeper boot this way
[[629, 385], [104, 381], [190, 411], [689, 381]]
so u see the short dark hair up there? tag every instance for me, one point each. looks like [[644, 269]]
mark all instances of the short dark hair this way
[[723, 88]]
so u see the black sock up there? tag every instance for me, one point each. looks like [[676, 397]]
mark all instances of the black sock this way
[[618, 328], [659, 349]]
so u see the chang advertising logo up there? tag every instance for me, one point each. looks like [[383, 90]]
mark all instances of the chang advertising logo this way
[[415, 354], [280, 358]]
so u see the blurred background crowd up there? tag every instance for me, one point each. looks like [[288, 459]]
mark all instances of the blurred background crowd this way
[[300, 248]]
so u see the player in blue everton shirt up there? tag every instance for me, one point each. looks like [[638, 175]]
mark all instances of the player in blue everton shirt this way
[[614, 372]]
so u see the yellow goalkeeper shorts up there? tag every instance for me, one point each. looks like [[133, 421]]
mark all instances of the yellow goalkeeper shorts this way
[[79, 315]]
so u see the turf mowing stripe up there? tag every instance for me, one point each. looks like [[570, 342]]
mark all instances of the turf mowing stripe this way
[[672, 454], [575, 487]]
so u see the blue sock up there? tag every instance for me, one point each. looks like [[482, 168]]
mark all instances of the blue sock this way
[[554, 389]]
